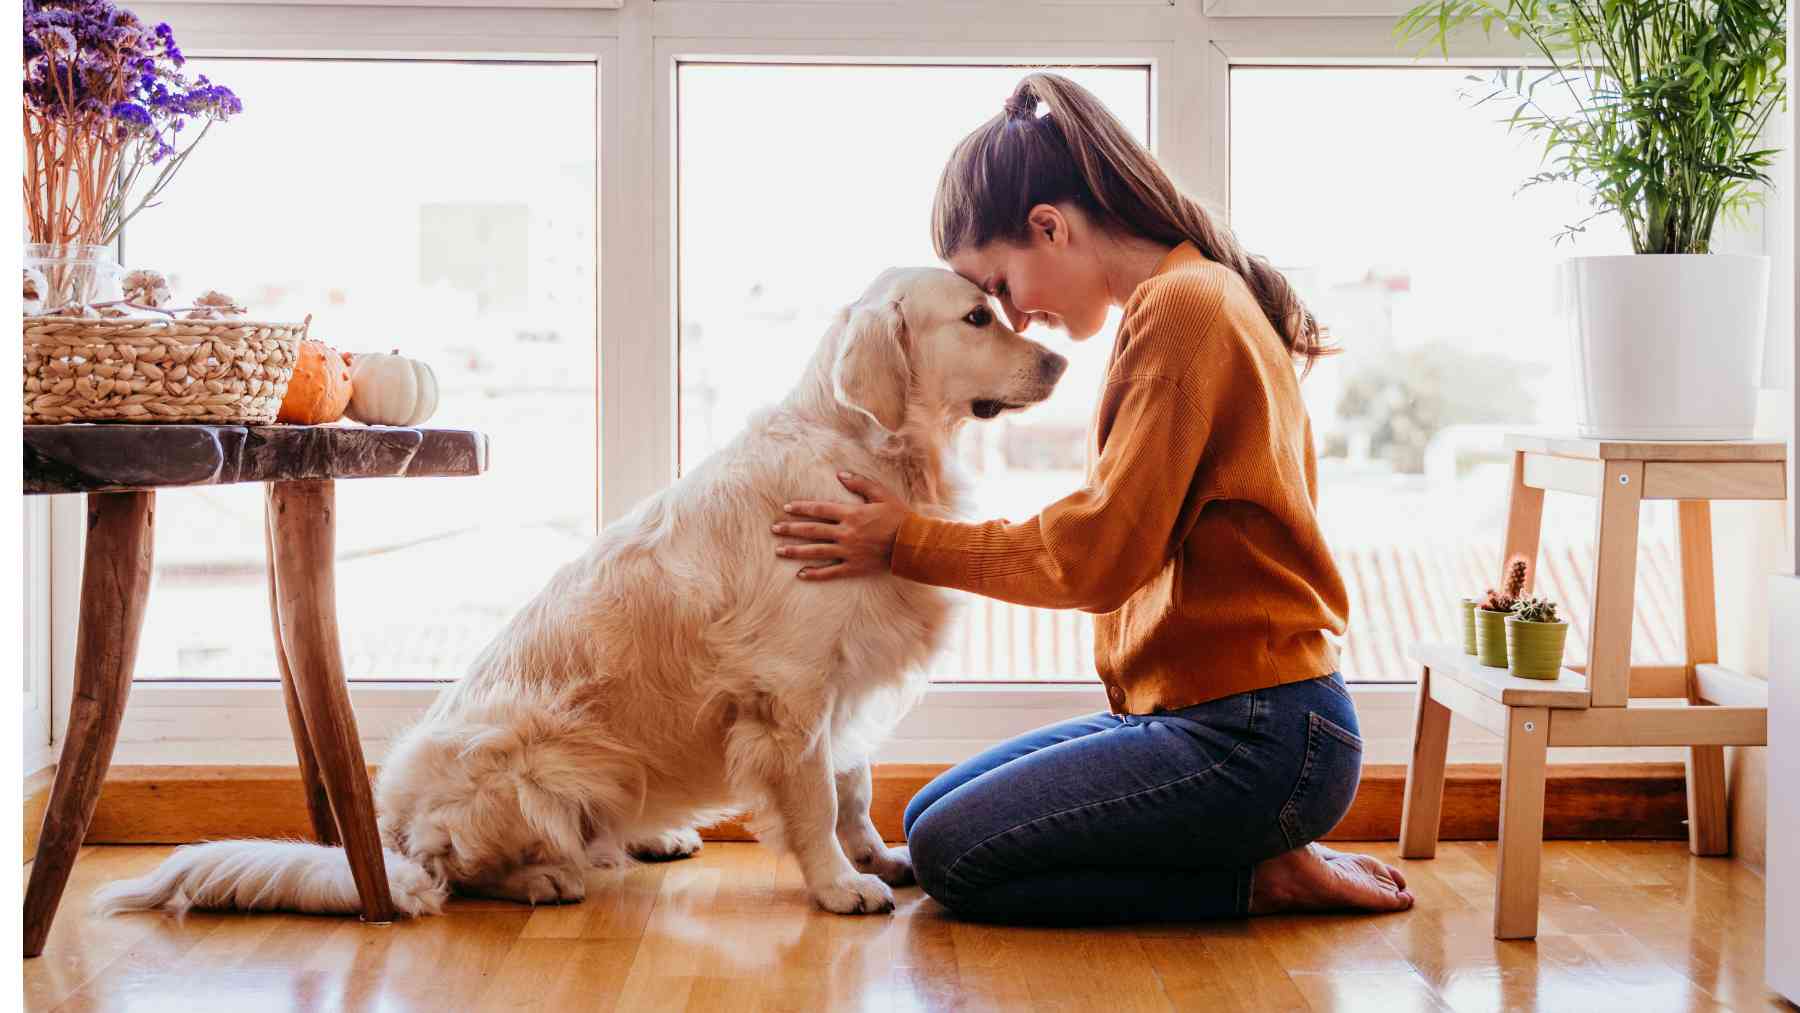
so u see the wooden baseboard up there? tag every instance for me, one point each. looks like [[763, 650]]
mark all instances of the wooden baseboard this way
[[178, 805]]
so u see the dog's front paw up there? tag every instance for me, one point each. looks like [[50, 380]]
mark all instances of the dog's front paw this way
[[543, 884], [668, 846], [855, 895], [893, 865]]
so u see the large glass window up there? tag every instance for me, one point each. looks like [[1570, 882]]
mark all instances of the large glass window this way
[[443, 209], [1393, 202], [797, 186]]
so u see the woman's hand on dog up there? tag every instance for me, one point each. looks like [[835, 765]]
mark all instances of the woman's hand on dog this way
[[843, 539]]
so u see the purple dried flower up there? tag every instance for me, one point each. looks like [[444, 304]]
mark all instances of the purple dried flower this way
[[133, 115], [56, 40], [167, 35], [124, 37], [96, 68]]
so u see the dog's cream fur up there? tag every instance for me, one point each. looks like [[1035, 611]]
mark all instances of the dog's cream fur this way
[[678, 672]]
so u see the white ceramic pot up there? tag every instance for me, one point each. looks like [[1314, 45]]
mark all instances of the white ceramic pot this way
[[1667, 346]]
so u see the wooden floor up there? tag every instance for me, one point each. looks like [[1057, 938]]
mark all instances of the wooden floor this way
[[1639, 927]]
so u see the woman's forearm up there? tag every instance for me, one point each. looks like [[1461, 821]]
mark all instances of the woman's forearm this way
[[1010, 562]]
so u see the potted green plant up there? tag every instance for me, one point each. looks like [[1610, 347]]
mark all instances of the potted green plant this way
[[1657, 109], [1491, 613], [1535, 638]]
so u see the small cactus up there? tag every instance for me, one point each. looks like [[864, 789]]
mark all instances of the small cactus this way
[[1536, 610], [1505, 601]]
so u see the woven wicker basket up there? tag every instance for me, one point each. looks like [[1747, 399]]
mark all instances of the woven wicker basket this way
[[130, 369]]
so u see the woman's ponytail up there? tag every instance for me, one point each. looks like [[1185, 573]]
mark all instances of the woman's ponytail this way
[[1054, 142]]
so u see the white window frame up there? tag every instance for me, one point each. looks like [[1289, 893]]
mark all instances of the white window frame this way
[[638, 48], [36, 733]]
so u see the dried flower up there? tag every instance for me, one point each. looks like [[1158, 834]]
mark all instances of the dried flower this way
[[147, 288], [105, 99], [35, 289], [54, 40], [215, 305]]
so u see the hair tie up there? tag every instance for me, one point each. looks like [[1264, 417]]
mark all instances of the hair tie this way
[[1021, 105]]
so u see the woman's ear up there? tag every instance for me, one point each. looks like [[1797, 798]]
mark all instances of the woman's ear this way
[[1048, 224]]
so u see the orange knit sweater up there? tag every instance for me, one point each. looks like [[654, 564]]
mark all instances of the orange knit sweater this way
[[1194, 537]]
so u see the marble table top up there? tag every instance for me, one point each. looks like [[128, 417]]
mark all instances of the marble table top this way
[[120, 457]]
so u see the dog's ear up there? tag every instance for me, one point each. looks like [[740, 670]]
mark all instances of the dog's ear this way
[[872, 374]]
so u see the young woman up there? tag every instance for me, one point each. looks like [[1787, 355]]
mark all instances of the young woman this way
[[1232, 743]]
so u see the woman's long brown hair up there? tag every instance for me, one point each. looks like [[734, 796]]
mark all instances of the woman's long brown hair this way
[[1077, 152]]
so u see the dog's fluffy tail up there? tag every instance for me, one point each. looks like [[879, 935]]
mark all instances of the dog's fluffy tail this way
[[268, 876]]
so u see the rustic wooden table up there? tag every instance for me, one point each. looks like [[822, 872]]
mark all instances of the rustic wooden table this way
[[119, 467]]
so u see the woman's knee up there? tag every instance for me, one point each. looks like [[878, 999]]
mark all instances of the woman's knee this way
[[928, 796], [935, 855], [914, 809]]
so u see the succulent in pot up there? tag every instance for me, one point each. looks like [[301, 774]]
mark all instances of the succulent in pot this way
[[1491, 612], [1535, 636], [1465, 611]]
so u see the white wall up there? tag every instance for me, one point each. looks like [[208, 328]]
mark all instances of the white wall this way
[[1753, 542]]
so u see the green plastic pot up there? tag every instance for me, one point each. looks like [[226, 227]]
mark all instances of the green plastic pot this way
[[1466, 606], [1490, 637], [1535, 650]]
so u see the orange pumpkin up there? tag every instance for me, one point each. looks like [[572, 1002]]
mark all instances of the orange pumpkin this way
[[320, 388]]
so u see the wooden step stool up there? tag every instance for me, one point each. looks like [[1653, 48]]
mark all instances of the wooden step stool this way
[[1719, 707]]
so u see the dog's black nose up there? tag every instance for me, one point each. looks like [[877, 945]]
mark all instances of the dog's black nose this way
[[1051, 366]]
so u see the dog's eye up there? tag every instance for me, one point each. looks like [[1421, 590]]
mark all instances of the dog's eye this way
[[980, 316]]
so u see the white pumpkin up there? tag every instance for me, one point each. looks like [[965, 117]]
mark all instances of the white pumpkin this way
[[391, 390]]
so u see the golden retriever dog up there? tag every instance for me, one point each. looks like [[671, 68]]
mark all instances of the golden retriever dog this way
[[678, 672]]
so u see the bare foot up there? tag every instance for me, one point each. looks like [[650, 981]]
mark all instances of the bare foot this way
[[1316, 878]]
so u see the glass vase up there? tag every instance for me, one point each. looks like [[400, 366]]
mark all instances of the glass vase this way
[[72, 275]]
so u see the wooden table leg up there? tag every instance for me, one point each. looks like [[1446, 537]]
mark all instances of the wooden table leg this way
[[1709, 823], [115, 583], [1422, 810], [303, 525], [1521, 823], [1615, 585], [318, 801]]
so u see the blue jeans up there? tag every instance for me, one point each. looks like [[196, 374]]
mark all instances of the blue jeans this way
[[1156, 817]]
